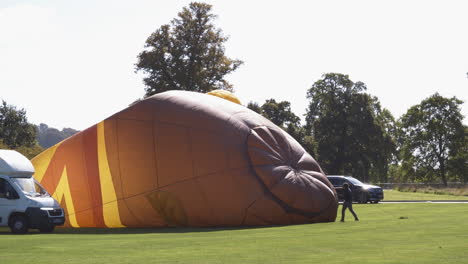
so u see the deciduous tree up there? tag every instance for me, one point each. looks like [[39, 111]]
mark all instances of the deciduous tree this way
[[350, 129], [187, 54], [280, 113], [15, 131], [433, 134]]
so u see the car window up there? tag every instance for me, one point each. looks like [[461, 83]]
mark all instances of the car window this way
[[354, 181], [337, 182], [341, 181]]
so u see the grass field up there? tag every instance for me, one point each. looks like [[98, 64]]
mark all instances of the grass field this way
[[461, 190], [387, 233], [394, 195]]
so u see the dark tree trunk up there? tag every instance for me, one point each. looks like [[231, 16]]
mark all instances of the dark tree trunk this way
[[442, 172]]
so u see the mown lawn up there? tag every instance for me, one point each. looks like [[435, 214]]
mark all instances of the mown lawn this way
[[387, 233], [394, 195]]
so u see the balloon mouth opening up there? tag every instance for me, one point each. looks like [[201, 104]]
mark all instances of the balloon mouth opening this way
[[280, 163]]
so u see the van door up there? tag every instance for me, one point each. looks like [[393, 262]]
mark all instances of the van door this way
[[8, 201]]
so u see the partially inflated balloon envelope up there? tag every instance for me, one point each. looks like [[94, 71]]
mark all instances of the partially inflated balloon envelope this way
[[185, 159]]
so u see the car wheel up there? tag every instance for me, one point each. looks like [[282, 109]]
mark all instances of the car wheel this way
[[19, 224], [47, 229]]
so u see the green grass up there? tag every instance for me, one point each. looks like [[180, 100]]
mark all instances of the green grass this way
[[387, 233], [395, 195], [461, 190]]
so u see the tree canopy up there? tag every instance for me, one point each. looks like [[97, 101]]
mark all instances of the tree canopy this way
[[49, 136], [433, 135], [280, 113], [15, 130], [352, 132], [187, 54]]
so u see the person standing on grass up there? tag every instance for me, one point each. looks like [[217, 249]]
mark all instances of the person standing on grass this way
[[348, 202]]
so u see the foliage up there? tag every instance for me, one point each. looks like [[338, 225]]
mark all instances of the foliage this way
[[299, 133], [31, 151], [255, 107], [458, 161], [354, 136], [280, 114], [277, 112], [49, 136], [433, 138], [15, 131], [188, 54], [3, 145]]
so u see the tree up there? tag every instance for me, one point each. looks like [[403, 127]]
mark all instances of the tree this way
[[277, 112], [31, 151], [299, 133], [458, 161], [49, 136], [187, 55], [15, 131], [350, 129], [433, 135], [384, 138], [255, 107], [280, 114]]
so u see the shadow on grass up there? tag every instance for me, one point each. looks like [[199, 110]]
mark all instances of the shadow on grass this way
[[122, 231]]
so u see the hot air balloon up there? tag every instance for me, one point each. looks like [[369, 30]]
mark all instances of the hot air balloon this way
[[185, 159]]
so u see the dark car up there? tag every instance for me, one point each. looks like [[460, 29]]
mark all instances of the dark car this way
[[362, 193]]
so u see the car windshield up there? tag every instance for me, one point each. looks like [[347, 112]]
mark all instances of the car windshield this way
[[354, 181], [30, 187]]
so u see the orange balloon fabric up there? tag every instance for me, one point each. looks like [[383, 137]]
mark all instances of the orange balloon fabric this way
[[185, 159]]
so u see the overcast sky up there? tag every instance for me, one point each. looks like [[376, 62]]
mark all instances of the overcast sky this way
[[71, 63]]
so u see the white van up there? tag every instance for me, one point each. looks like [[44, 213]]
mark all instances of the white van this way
[[24, 203]]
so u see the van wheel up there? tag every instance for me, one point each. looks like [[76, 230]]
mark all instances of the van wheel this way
[[47, 229], [19, 224]]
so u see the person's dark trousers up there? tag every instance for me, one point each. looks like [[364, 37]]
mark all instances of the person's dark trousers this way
[[348, 205]]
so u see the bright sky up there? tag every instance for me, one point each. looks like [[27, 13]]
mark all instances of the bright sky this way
[[71, 63]]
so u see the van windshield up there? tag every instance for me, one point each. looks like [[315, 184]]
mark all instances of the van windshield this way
[[30, 187]]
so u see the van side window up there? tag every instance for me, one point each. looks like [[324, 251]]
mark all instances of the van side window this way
[[5, 187]]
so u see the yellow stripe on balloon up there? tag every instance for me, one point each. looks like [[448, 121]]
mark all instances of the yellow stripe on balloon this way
[[63, 192], [41, 162], [225, 95], [109, 198]]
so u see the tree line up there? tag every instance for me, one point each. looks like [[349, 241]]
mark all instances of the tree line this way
[[30, 140], [349, 133], [346, 129]]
